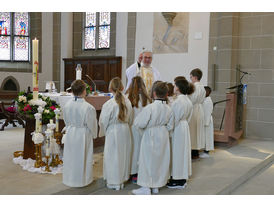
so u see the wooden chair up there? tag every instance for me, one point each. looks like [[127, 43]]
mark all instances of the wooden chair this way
[[10, 115]]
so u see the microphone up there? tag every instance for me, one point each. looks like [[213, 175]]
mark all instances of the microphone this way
[[243, 71], [92, 83]]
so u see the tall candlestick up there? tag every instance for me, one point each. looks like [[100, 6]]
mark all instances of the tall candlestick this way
[[35, 64], [37, 122]]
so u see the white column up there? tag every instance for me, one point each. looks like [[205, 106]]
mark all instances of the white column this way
[[121, 40], [66, 43], [47, 46]]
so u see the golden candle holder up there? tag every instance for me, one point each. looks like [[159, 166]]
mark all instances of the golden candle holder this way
[[38, 156], [18, 153], [53, 161], [57, 160], [58, 136], [47, 169]]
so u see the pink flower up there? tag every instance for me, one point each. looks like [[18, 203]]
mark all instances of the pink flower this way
[[26, 108], [53, 108]]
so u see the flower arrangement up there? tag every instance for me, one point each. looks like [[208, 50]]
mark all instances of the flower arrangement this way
[[88, 89], [28, 107]]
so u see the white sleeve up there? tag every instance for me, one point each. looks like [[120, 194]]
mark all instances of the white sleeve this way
[[208, 108], [194, 96], [130, 73], [178, 112], [157, 74], [91, 122], [104, 120], [143, 118], [170, 124]]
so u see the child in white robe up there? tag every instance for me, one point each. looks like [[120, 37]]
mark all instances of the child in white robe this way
[[81, 128], [196, 124], [137, 95], [209, 129], [114, 125], [180, 139], [157, 120], [152, 89]]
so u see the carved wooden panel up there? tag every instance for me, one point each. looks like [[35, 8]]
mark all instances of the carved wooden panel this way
[[100, 69]]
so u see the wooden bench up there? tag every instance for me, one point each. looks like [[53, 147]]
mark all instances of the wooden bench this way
[[9, 114]]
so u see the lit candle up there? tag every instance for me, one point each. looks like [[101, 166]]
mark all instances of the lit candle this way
[[35, 64]]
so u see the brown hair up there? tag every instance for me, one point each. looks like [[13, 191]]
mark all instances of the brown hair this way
[[137, 87], [208, 90], [170, 89], [161, 90], [153, 87], [78, 87], [197, 73], [117, 87], [184, 86], [179, 77]]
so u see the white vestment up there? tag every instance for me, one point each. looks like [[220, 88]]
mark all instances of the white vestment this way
[[157, 120], [196, 124], [136, 137], [133, 71], [209, 129], [180, 139], [81, 128], [117, 151]]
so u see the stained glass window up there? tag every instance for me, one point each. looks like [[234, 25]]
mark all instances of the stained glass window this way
[[91, 19], [14, 36], [90, 30], [104, 18], [104, 36], [4, 48], [97, 30], [5, 20], [104, 30], [90, 37], [21, 39]]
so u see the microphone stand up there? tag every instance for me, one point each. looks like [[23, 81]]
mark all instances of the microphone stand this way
[[95, 92]]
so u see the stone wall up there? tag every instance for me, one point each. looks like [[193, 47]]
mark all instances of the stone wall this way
[[56, 53], [245, 39]]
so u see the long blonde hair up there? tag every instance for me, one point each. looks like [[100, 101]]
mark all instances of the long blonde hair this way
[[117, 87], [136, 88]]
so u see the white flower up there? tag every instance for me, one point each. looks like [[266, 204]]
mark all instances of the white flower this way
[[22, 99], [37, 138], [46, 111], [38, 102], [40, 109], [37, 116]]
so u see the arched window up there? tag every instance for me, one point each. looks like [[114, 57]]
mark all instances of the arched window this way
[[97, 30], [14, 36]]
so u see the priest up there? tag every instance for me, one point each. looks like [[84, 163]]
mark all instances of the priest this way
[[149, 73]]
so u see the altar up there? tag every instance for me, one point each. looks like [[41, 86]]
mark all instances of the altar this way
[[95, 100], [61, 99]]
